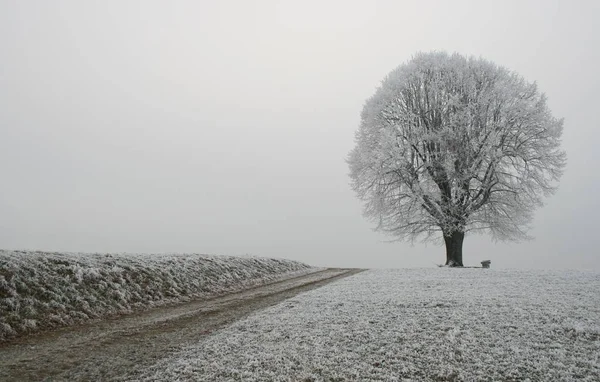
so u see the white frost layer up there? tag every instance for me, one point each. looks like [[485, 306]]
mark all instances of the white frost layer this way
[[415, 324], [40, 290]]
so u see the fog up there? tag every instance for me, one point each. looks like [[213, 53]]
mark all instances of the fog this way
[[222, 127]]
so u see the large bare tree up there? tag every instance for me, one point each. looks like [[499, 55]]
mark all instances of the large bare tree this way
[[453, 144]]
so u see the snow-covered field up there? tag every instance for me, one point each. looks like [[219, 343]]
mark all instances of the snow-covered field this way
[[415, 324], [40, 290]]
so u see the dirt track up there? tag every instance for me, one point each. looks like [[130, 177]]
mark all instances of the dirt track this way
[[118, 349]]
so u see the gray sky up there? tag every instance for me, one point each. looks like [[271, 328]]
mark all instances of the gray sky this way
[[222, 126]]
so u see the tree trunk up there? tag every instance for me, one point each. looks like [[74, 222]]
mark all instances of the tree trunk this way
[[454, 243]]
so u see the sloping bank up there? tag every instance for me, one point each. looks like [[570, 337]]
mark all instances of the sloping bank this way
[[43, 290]]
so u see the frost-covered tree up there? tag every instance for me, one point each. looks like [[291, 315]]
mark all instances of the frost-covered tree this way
[[450, 144]]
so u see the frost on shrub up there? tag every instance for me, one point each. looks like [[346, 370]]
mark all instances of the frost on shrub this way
[[28, 325], [55, 289], [6, 289], [6, 331]]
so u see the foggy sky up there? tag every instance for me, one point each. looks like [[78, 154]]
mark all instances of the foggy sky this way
[[223, 126]]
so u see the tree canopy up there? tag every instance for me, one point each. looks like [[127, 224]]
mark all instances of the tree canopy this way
[[453, 144]]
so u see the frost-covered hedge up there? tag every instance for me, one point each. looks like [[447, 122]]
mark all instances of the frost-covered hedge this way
[[41, 290]]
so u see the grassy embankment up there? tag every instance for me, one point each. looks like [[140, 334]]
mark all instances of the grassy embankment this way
[[43, 290]]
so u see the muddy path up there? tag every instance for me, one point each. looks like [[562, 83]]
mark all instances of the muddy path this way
[[118, 349]]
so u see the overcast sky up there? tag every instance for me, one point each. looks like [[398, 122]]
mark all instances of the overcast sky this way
[[223, 126]]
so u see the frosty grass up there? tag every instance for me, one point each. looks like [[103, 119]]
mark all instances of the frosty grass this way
[[412, 324], [41, 290]]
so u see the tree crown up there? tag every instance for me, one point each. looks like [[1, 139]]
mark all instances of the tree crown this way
[[449, 143]]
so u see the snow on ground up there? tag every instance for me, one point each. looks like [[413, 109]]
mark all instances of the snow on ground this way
[[414, 324], [41, 290]]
